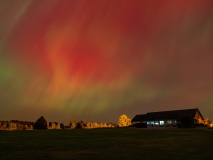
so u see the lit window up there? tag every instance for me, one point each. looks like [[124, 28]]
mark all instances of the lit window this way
[[176, 122], [161, 123], [156, 123], [169, 122], [148, 123]]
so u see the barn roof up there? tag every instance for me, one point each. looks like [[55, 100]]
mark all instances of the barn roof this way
[[163, 115]]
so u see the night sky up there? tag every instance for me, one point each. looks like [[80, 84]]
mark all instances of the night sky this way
[[97, 59]]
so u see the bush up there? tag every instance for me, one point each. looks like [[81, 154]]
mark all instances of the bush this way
[[82, 124], [73, 124], [62, 126], [124, 121], [41, 123]]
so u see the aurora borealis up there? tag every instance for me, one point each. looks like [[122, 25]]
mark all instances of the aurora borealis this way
[[97, 59]]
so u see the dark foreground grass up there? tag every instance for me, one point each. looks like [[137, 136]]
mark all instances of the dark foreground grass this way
[[107, 144]]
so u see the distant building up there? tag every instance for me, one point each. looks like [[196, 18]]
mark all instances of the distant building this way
[[180, 118]]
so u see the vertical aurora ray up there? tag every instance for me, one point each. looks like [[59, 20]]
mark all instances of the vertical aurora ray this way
[[95, 60]]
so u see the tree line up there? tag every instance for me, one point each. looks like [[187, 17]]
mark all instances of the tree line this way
[[41, 123]]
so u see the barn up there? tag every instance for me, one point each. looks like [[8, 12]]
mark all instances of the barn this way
[[180, 118]]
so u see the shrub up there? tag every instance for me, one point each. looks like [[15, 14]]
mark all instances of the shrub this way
[[62, 126], [73, 124], [124, 121], [41, 123]]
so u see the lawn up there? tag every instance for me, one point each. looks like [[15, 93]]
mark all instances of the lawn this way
[[106, 144]]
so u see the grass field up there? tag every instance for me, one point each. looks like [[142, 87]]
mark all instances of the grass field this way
[[107, 144]]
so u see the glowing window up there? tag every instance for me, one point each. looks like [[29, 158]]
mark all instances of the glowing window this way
[[156, 123], [161, 123], [176, 122], [169, 122]]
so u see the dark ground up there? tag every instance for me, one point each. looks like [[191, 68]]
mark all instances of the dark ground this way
[[107, 144]]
